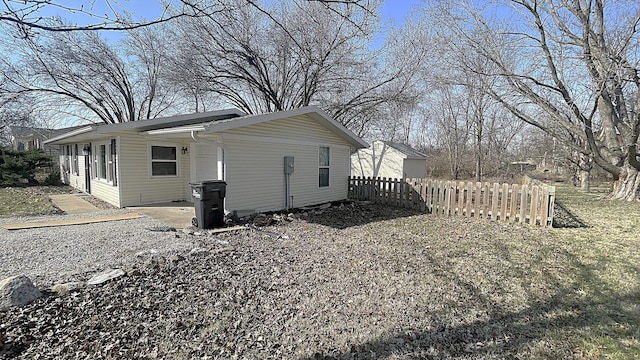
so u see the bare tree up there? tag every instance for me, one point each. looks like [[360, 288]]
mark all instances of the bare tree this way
[[575, 63], [292, 54], [81, 74], [31, 15]]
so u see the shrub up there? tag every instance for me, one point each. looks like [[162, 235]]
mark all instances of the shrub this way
[[19, 167], [53, 179]]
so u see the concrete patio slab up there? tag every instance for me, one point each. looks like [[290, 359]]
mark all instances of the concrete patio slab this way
[[175, 214], [73, 204]]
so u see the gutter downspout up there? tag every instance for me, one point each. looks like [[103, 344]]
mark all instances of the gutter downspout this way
[[197, 138]]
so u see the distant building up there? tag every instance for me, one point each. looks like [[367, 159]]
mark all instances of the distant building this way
[[25, 138], [389, 159]]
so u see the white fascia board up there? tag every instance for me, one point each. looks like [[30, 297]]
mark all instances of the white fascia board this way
[[176, 130], [72, 133]]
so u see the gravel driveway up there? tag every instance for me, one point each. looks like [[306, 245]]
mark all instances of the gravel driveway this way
[[351, 282], [69, 253]]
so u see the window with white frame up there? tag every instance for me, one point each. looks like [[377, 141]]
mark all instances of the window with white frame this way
[[324, 164], [66, 153], [74, 160], [164, 160], [104, 161]]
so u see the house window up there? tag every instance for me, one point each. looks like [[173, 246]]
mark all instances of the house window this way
[[164, 160], [74, 162], [104, 161], [324, 162], [66, 152]]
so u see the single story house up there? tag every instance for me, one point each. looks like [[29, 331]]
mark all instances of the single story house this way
[[270, 161], [390, 160]]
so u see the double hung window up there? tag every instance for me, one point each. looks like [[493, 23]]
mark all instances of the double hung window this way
[[324, 165], [164, 160]]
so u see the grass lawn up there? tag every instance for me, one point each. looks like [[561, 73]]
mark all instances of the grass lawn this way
[[599, 291], [23, 201]]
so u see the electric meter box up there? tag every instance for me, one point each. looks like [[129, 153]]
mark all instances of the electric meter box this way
[[288, 164]]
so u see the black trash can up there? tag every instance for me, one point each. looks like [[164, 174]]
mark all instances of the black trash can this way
[[208, 200]]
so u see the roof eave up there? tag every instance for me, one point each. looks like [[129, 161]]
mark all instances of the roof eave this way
[[80, 131], [176, 130]]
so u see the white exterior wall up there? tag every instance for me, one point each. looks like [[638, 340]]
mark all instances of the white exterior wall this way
[[78, 181], [255, 175], [415, 168], [72, 179], [378, 160], [138, 187]]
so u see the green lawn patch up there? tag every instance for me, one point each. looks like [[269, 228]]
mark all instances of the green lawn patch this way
[[23, 201]]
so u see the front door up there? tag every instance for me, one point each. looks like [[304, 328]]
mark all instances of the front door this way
[[203, 163]]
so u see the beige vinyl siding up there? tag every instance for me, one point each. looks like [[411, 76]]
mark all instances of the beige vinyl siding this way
[[297, 127], [78, 181], [415, 168], [71, 179], [106, 192], [255, 176], [137, 185], [100, 188]]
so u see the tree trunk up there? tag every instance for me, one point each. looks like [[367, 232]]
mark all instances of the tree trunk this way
[[585, 180], [585, 164], [626, 187]]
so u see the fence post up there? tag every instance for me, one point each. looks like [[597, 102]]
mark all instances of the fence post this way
[[514, 202], [494, 201], [505, 198], [533, 218], [423, 194], [469, 199], [524, 197], [395, 192], [485, 201], [429, 201], [476, 207], [458, 189], [552, 200], [544, 208]]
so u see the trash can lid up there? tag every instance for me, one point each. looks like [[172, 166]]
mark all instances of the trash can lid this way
[[208, 182]]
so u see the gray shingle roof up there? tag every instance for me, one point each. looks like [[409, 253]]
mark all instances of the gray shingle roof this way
[[406, 149]]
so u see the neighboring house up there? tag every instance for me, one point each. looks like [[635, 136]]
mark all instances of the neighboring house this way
[[24, 138], [153, 161], [390, 160]]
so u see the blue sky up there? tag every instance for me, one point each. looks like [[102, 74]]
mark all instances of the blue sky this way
[[397, 10], [393, 11]]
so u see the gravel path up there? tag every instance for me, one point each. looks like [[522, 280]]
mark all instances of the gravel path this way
[[75, 252], [352, 282]]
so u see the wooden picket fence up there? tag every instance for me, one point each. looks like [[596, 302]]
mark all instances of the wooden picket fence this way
[[526, 204]]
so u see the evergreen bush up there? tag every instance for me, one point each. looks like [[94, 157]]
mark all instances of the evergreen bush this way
[[21, 167]]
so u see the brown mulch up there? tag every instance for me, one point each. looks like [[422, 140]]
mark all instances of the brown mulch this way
[[355, 281]]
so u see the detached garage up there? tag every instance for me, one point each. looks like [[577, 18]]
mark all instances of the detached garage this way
[[389, 159]]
